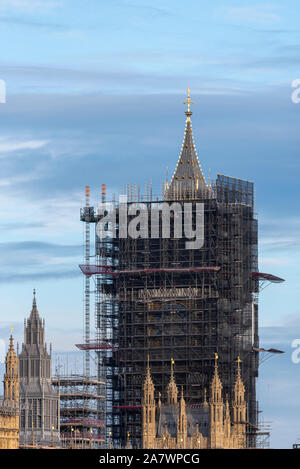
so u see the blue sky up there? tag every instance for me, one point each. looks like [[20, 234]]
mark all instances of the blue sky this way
[[95, 95]]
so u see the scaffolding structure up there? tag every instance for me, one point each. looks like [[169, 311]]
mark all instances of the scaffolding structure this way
[[82, 410], [263, 433], [103, 344], [186, 304], [156, 297]]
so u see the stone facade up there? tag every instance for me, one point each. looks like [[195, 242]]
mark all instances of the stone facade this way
[[213, 424]]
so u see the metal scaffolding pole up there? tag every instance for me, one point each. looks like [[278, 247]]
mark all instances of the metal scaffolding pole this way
[[87, 282]]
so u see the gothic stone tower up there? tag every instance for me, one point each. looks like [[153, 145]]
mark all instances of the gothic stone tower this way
[[39, 403], [9, 408], [185, 303]]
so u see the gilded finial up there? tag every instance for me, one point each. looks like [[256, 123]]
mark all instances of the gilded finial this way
[[34, 298], [128, 441], [11, 340], [205, 397], [188, 101], [172, 367], [216, 358], [239, 361]]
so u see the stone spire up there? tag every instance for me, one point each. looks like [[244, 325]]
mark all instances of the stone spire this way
[[172, 388], [239, 409], [216, 410], [34, 299], [216, 385], [148, 386], [34, 327], [239, 388], [188, 180], [182, 423], [11, 377], [205, 403], [148, 410]]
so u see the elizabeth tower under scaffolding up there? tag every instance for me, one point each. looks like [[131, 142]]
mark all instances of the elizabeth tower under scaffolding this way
[[154, 296]]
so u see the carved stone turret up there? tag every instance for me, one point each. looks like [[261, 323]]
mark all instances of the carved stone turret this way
[[148, 406], [9, 407], [11, 377], [239, 409]]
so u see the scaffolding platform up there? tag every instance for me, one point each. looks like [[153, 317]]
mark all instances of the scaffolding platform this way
[[82, 401]]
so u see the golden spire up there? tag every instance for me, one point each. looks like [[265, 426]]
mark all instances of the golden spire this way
[[172, 388], [11, 340], [239, 383], [188, 101], [148, 371], [216, 384], [148, 386], [239, 361], [205, 397], [172, 367], [128, 440], [216, 360]]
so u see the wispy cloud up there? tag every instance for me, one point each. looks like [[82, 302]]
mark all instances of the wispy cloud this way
[[15, 180], [280, 234], [31, 259], [28, 5], [274, 261], [41, 247], [7, 145], [31, 23], [263, 14], [15, 225], [145, 9], [39, 276]]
